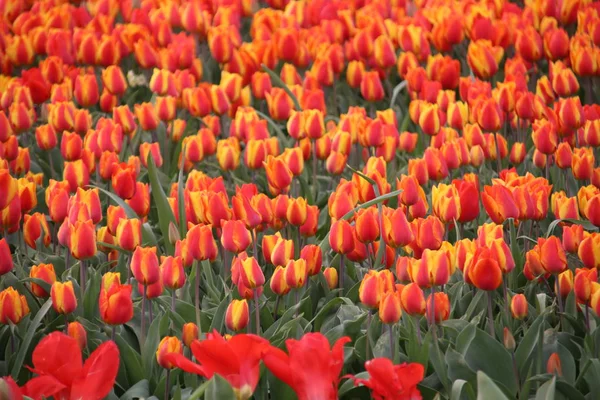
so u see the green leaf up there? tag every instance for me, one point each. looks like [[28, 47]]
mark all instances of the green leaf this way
[[148, 238], [92, 292], [460, 387], [397, 91], [348, 385], [31, 329], [324, 311], [547, 390], [140, 390], [219, 319], [276, 80], [219, 389], [487, 389], [132, 361], [181, 201], [525, 350], [165, 213], [157, 330]]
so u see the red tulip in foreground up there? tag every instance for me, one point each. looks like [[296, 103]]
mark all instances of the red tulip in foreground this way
[[61, 372], [388, 381], [236, 359], [312, 368]]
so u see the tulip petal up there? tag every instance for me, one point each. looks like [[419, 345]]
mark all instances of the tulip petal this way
[[99, 373], [58, 355], [42, 387]]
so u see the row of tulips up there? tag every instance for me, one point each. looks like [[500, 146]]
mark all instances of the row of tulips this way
[[188, 187]]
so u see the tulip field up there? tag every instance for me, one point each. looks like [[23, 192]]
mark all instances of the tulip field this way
[[299, 199]]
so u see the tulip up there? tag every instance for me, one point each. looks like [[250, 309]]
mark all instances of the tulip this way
[[6, 261], [489, 115], [331, 277], [282, 252], [278, 283], [483, 270], [235, 237], [128, 233], [279, 175], [44, 272], [572, 237], [147, 116], [83, 240], [483, 58], [519, 307], [9, 187], [545, 137], [438, 305], [21, 117], [499, 203], [296, 273], [341, 237], [428, 232], [553, 366], [86, 90], [168, 345], [250, 273], [116, 306], [13, 306], [390, 309], [370, 86], [77, 332], [237, 315], [144, 265], [63, 297], [189, 333], [36, 227], [552, 255]]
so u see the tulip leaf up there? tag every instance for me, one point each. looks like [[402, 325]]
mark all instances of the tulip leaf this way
[[219, 389], [158, 329], [90, 299], [460, 387], [348, 385], [324, 311], [131, 360], [487, 389], [397, 91], [140, 390], [26, 343], [547, 391], [218, 320], [165, 213], [277, 81], [525, 350], [285, 140], [148, 237]]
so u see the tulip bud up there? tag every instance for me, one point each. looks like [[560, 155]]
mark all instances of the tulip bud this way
[[553, 366], [13, 306], [235, 237], [144, 265], [552, 255], [341, 238], [442, 306], [116, 306], [168, 345], [519, 307], [296, 213], [63, 297], [251, 275], [237, 315], [189, 333], [509, 340], [278, 282], [44, 272], [171, 270], [6, 261], [296, 273], [78, 332], [390, 309], [331, 276]]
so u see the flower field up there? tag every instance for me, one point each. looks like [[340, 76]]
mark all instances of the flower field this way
[[299, 199]]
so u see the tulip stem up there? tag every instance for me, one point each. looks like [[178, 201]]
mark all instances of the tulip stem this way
[[392, 342], [498, 158], [548, 168], [342, 273], [587, 318], [314, 169], [369, 321], [143, 329], [256, 312], [82, 278], [559, 300], [197, 295], [418, 329], [113, 332], [66, 324], [168, 384], [491, 314], [276, 310]]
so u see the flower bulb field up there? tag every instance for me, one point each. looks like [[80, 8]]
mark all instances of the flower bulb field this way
[[299, 199]]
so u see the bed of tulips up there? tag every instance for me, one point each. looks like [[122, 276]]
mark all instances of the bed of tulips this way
[[323, 199]]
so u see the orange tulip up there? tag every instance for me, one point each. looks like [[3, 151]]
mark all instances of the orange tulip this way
[[235, 237], [36, 227], [63, 297], [237, 315], [518, 306], [13, 306], [116, 306]]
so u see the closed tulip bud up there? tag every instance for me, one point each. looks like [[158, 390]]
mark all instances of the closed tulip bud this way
[[564, 82], [46, 137], [390, 309], [219, 101], [189, 333], [446, 202], [563, 155], [440, 307], [508, 340], [553, 366], [36, 227], [282, 252], [412, 299], [123, 180], [260, 84], [165, 108], [235, 237], [309, 228], [552, 255], [519, 307], [529, 44], [86, 90], [83, 240], [278, 173], [9, 188], [129, 233], [228, 153], [429, 119], [565, 283], [162, 82], [341, 238], [251, 274], [43, 272], [383, 52], [336, 163], [123, 117], [237, 315], [370, 290], [429, 232], [499, 203], [371, 88], [278, 283], [296, 273], [146, 116], [171, 270], [354, 73], [63, 297], [21, 117], [489, 115], [457, 114], [13, 306], [144, 265], [483, 58], [545, 137], [77, 332], [572, 237], [331, 277], [116, 306], [114, 80], [570, 113], [367, 225], [168, 345], [297, 211], [483, 270]]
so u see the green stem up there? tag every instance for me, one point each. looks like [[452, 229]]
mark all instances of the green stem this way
[[197, 295], [491, 314], [256, 312]]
